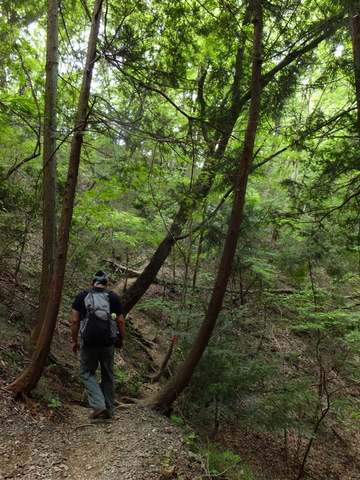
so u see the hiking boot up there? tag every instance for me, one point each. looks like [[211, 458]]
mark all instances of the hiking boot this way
[[109, 414], [98, 413]]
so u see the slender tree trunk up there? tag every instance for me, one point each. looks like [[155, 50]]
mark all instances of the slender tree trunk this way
[[31, 375], [197, 260], [166, 397], [49, 163], [354, 18]]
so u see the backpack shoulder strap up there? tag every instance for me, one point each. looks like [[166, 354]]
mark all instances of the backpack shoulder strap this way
[[89, 300]]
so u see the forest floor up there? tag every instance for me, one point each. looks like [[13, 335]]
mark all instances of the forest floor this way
[[51, 437], [138, 444], [59, 441]]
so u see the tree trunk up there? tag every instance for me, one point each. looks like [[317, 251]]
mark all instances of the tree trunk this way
[[49, 163], [31, 375], [164, 399], [354, 18]]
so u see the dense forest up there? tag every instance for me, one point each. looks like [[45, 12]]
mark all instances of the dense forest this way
[[206, 155]]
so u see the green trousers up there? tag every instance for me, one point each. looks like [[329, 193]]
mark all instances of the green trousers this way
[[99, 394]]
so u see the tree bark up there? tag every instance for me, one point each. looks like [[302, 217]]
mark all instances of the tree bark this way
[[354, 19], [164, 399], [49, 163], [28, 380]]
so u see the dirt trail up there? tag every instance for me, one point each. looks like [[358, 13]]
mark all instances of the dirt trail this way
[[139, 444]]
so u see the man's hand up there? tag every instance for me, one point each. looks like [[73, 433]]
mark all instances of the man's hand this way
[[75, 347]]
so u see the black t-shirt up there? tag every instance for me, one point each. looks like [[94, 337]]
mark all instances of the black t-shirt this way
[[115, 303]]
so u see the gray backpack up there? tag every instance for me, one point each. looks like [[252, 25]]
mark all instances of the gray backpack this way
[[97, 327]]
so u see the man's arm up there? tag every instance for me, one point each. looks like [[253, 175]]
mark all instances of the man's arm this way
[[75, 326], [121, 326]]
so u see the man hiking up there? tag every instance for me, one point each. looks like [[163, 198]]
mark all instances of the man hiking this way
[[98, 316]]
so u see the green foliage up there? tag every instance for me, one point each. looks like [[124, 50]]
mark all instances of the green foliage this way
[[128, 385], [18, 210], [183, 315], [225, 464], [120, 376], [13, 197], [227, 379], [169, 95], [177, 419], [55, 403]]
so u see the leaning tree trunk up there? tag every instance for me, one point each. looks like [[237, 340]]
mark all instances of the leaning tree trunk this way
[[49, 163], [166, 397], [31, 375]]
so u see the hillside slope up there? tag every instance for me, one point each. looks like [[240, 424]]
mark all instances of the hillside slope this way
[[50, 436]]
